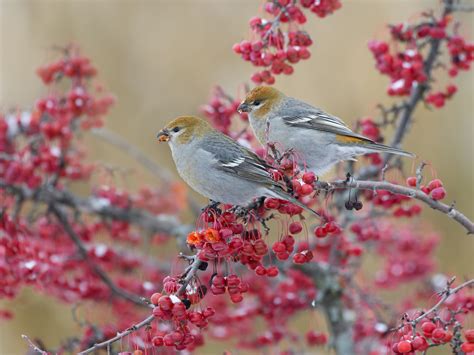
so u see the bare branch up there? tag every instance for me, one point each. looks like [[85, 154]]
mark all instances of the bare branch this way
[[119, 336], [33, 346], [446, 293]]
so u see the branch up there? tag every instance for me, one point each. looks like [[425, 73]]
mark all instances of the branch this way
[[166, 224], [190, 272], [446, 294], [330, 291], [33, 346], [119, 336], [116, 290], [450, 211]]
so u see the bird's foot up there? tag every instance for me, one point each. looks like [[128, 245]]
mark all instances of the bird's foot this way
[[212, 206]]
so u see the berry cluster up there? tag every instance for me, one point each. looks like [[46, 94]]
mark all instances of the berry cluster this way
[[278, 50], [406, 67], [175, 311], [438, 99], [462, 54], [431, 332], [434, 188], [222, 109]]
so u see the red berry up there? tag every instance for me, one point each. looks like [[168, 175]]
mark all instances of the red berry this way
[[295, 227], [469, 335], [433, 184], [299, 258], [168, 340], [467, 347], [425, 189], [272, 271], [278, 247], [438, 194], [428, 328], [419, 343], [165, 303], [438, 334], [236, 298], [309, 178], [320, 232], [260, 270], [411, 181], [157, 341], [283, 256], [306, 189], [154, 298], [404, 347]]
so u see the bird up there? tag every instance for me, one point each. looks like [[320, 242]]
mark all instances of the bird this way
[[318, 139], [219, 168]]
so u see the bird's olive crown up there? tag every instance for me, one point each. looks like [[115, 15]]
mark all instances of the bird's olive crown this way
[[260, 94], [186, 127]]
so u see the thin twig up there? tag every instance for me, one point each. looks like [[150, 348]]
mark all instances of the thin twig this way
[[33, 346], [191, 273]]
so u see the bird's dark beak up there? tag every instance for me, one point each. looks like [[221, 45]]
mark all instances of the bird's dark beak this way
[[163, 136], [243, 107]]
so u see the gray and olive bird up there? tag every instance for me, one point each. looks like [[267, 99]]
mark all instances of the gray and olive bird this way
[[318, 139], [219, 168]]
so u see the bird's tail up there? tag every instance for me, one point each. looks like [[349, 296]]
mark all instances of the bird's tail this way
[[281, 194], [382, 148]]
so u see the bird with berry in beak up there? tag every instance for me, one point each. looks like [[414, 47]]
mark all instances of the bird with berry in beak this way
[[219, 168], [318, 139]]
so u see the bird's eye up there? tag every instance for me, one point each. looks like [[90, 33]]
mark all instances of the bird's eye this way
[[176, 129], [257, 102]]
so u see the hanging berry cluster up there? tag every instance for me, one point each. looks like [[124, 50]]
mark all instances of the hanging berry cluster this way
[[277, 49]]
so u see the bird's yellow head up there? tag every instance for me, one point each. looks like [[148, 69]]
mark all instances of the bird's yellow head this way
[[260, 100], [182, 129]]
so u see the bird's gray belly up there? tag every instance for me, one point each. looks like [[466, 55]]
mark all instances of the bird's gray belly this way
[[202, 175]]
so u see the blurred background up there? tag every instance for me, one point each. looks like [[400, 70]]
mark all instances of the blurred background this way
[[161, 59]]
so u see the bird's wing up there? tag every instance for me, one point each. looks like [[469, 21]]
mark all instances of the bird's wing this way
[[310, 117], [237, 160]]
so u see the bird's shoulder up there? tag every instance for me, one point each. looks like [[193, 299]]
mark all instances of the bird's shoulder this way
[[234, 158], [298, 114]]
